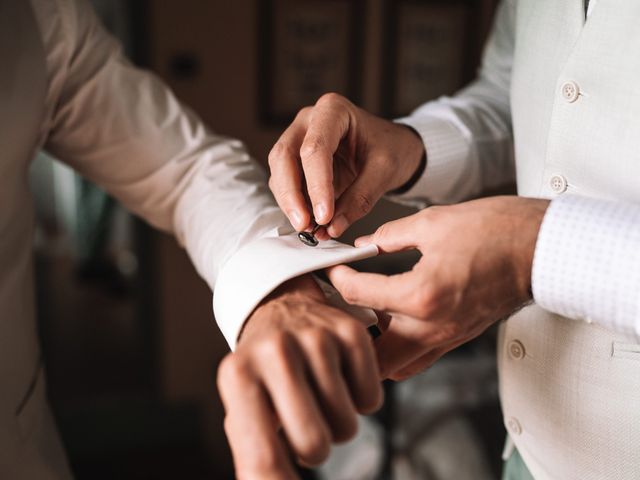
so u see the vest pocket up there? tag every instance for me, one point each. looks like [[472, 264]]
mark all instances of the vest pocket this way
[[29, 408], [626, 350]]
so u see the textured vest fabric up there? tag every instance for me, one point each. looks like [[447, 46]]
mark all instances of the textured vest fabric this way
[[29, 444], [570, 390]]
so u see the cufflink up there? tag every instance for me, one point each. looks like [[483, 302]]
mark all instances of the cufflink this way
[[309, 238]]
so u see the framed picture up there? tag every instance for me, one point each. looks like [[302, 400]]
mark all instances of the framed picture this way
[[428, 51], [306, 48]]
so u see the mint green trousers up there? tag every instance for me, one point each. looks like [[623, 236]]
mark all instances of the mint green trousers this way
[[515, 469]]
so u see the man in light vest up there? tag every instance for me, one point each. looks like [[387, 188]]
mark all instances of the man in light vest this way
[[555, 107]]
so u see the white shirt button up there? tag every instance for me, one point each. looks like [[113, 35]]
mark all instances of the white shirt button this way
[[570, 91], [514, 426], [516, 350], [558, 183]]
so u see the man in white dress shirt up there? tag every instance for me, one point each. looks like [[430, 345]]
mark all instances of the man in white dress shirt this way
[[301, 366], [555, 107]]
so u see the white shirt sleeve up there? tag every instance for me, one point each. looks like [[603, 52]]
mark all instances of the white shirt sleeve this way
[[125, 130], [468, 138], [587, 262]]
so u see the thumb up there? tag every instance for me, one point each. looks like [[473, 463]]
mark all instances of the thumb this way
[[358, 199], [394, 236]]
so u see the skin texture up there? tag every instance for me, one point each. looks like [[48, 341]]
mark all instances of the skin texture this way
[[343, 159], [300, 374], [475, 269]]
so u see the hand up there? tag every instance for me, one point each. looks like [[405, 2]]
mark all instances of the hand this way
[[475, 269], [303, 368], [344, 159]]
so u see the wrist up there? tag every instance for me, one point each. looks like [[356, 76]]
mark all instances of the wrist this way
[[412, 160], [527, 229], [303, 289]]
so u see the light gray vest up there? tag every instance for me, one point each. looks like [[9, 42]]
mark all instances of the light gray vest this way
[[570, 390]]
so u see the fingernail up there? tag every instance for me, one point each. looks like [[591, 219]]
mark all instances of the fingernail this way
[[363, 241], [338, 225], [296, 219], [320, 211]]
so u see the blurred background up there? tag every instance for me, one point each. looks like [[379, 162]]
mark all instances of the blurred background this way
[[130, 343]]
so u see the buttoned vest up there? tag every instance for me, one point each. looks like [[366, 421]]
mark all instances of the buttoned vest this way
[[570, 389]]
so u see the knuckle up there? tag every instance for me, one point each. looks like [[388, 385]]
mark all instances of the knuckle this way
[[382, 232], [314, 449], [317, 188], [231, 369], [284, 196], [423, 302], [278, 151], [312, 147], [275, 347], [330, 98], [287, 195], [352, 332], [318, 340], [303, 113]]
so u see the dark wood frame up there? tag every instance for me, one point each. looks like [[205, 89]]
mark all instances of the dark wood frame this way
[[389, 64], [265, 81]]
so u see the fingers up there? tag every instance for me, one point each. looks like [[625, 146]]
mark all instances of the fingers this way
[[250, 425], [302, 421], [328, 124], [418, 366], [410, 346], [426, 360], [286, 173], [359, 198], [404, 342], [360, 366], [397, 235], [323, 359], [376, 291]]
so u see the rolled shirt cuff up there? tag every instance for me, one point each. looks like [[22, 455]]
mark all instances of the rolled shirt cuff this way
[[261, 266]]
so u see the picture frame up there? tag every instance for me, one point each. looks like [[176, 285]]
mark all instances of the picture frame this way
[[306, 48], [429, 51]]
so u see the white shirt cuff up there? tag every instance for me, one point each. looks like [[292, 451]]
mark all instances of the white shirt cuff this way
[[447, 152], [587, 262], [261, 266]]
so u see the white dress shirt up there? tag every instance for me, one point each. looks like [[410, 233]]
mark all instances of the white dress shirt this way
[[125, 130], [587, 257]]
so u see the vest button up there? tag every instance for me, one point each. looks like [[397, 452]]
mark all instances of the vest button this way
[[558, 183], [570, 91], [516, 350], [514, 426]]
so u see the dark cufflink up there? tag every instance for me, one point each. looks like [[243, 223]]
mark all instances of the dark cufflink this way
[[309, 238]]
